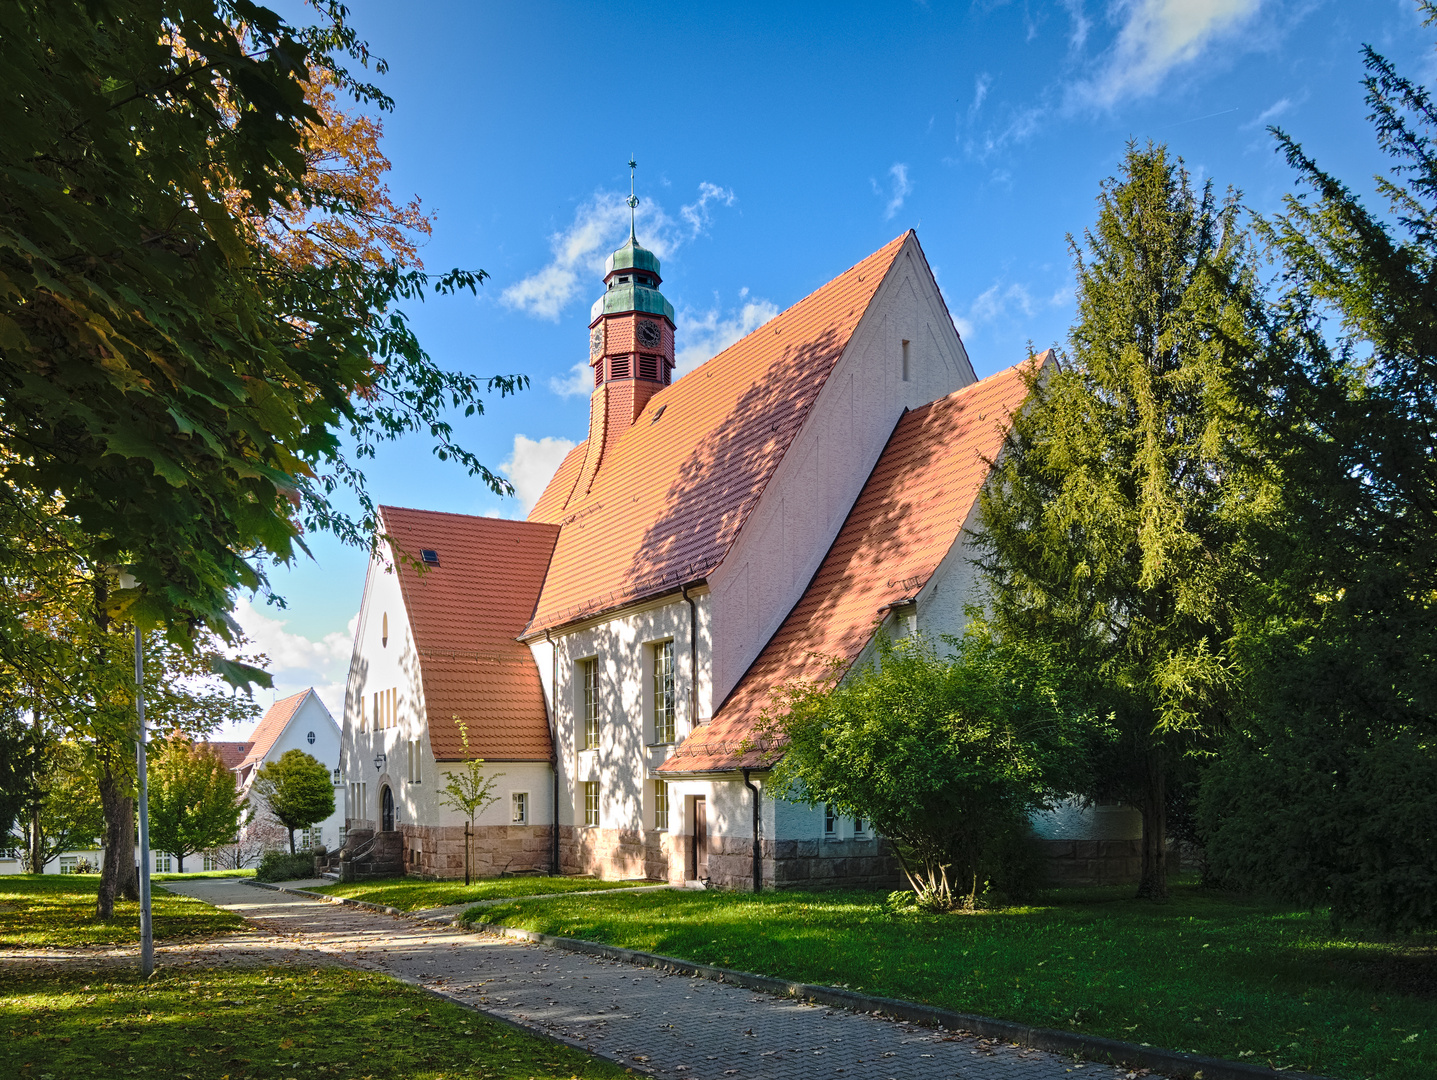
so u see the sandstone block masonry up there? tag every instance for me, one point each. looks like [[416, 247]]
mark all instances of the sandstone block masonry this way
[[437, 851]]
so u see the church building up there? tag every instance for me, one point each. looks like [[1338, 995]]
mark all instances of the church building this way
[[713, 538]]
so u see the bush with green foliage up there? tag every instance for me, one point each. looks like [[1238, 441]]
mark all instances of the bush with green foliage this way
[[945, 756], [283, 866], [194, 804]]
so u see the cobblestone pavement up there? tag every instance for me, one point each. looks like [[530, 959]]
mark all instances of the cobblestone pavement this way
[[667, 1025]]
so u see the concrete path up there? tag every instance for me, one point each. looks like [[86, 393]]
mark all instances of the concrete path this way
[[665, 1025]]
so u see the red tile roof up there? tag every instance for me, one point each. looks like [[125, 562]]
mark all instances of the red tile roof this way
[[232, 754], [465, 614], [908, 516], [272, 726], [675, 489]]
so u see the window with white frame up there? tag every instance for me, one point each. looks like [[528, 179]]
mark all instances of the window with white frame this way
[[164, 862], [830, 821], [309, 839], [661, 804], [589, 674], [211, 861], [519, 803], [663, 660], [68, 863], [860, 827], [591, 803]]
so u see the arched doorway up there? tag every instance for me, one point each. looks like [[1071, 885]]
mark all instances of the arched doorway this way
[[386, 801]]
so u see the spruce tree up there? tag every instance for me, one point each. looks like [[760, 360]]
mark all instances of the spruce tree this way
[[1114, 527]]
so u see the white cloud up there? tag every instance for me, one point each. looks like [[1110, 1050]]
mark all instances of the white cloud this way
[[710, 333], [1006, 301], [297, 662], [1157, 36], [981, 86], [898, 189], [1078, 36], [532, 464], [599, 226], [1269, 114], [697, 213], [580, 380]]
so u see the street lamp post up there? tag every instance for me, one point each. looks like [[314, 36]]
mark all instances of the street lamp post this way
[[147, 929]]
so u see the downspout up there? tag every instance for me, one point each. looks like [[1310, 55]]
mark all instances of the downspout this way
[[554, 747], [757, 857], [693, 658]]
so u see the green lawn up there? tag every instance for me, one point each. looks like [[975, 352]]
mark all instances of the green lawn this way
[[1208, 973], [58, 910], [256, 1024], [411, 894]]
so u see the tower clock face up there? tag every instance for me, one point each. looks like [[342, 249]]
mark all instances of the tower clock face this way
[[596, 340], [649, 335]]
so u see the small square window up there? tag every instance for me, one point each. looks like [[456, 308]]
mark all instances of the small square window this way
[[429, 556], [67, 863], [520, 804], [591, 803], [164, 863]]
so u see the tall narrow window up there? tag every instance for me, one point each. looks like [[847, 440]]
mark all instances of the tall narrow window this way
[[591, 803], [664, 692], [589, 672], [905, 361], [414, 761], [661, 804], [830, 820], [519, 802]]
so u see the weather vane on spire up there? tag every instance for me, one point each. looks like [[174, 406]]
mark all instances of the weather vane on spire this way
[[632, 200]]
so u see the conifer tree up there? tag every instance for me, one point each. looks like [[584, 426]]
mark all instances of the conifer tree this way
[[1114, 526]]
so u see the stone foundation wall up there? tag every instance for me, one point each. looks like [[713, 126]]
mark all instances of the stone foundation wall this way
[[437, 851], [1099, 862], [828, 864], [616, 854]]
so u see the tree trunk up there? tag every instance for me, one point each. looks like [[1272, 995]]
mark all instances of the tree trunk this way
[[468, 832], [35, 857], [291, 841], [1154, 883], [118, 874], [179, 864]]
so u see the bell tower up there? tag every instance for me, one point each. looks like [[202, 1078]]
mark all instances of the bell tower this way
[[631, 345]]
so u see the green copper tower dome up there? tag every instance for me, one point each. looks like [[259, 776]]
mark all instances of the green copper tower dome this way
[[632, 277]]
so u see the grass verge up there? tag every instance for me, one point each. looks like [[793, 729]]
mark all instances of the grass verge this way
[[1217, 975], [412, 894], [58, 911], [201, 874], [257, 1024]]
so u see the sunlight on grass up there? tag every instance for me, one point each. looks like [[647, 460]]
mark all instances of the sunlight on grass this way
[[1214, 974], [247, 1023], [58, 911], [412, 894]]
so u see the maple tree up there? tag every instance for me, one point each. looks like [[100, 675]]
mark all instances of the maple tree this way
[[201, 331]]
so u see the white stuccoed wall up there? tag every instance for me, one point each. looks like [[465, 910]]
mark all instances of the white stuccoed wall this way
[[624, 762], [813, 488], [313, 717], [375, 667]]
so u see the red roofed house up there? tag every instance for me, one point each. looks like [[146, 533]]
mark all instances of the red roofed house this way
[[713, 537], [297, 722]]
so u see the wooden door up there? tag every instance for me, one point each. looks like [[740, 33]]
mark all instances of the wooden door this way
[[700, 860]]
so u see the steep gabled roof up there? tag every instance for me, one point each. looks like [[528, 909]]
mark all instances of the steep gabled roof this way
[[909, 514], [231, 754], [677, 486], [465, 614], [272, 726]]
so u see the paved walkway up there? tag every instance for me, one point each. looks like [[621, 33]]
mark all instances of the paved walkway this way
[[667, 1025]]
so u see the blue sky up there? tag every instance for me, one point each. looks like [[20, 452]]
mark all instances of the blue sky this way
[[778, 144]]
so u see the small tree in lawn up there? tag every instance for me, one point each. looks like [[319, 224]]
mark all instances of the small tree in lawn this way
[[297, 790], [945, 757], [194, 804], [469, 791]]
